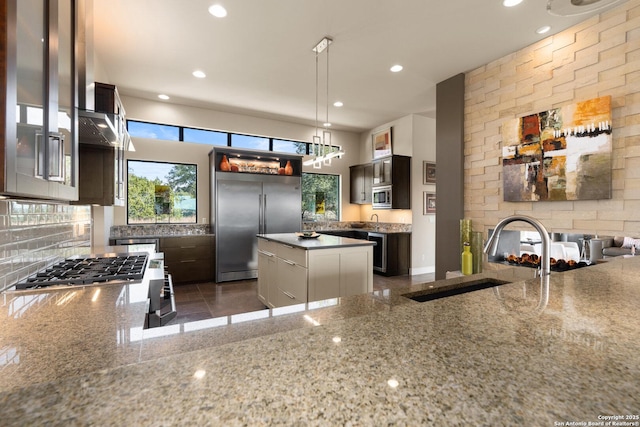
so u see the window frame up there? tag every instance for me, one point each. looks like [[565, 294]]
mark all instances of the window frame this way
[[156, 221], [181, 131]]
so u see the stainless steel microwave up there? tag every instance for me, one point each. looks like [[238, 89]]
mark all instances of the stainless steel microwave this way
[[381, 197]]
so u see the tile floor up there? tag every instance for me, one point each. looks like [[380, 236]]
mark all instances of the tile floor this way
[[200, 301]]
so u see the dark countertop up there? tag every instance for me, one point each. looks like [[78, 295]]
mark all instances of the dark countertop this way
[[522, 354], [324, 241], [366, 230]]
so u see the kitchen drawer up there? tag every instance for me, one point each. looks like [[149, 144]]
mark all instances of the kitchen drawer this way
[[186, 242], [292, 283], [190, 271], [297, 255], [187, 253], [268, 246]]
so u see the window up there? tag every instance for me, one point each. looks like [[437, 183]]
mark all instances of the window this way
[[205, 136], [153, 130], [320, 197], [214, 137], [159, 192], [248, 141], [284, 146]]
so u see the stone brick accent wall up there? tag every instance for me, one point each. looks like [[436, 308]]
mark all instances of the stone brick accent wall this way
[[34, 235], [598, 57]]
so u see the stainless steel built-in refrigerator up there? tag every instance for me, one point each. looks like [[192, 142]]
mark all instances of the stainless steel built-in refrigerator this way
[[247, 205]]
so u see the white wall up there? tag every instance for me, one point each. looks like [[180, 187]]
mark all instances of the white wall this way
[[423, 248], [414, 136]]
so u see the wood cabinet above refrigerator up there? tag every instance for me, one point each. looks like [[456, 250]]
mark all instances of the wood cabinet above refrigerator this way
[[39, 143]]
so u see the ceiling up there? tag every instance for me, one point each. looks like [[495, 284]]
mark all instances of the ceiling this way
[[259, 59]]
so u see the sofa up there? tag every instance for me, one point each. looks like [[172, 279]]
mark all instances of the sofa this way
[[619, 245]]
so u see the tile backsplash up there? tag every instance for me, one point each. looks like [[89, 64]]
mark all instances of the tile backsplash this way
[[389, 227], [155, 230], [34, 235]]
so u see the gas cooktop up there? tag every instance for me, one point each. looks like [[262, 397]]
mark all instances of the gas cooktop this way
[[84, 271]]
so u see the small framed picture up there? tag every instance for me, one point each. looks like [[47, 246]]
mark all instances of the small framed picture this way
[[429, 203], [381, 142], [428, 172]]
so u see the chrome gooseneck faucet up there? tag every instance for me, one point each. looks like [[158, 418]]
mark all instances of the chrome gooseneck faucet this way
[[376, 215], [492, 243]]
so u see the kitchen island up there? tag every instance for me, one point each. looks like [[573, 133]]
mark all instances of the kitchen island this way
[[513, 355], [295, 269]]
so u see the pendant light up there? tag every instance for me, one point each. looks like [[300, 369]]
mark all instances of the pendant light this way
[[321, 146]]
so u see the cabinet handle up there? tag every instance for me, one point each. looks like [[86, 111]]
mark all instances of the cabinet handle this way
[[188, 260], [287, 246], [289, 295], [269, 254], [289, 262], [187, 247]]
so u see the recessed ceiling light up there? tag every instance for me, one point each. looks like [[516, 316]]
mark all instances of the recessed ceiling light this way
[[163, 96], [338, 104], [396, 68], [511, 3], [199, 74], [543, 30], [218, 11]]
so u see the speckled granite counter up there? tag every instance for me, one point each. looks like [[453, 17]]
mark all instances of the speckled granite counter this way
[[492, 357]]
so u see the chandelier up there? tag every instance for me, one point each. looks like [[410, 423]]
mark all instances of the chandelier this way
[[322, 150]]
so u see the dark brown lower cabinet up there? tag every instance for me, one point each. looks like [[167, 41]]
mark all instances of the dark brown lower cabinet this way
[[398, 254], [189, 258]]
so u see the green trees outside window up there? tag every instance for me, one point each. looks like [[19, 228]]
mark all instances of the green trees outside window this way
[[159, 192], [320, 197]]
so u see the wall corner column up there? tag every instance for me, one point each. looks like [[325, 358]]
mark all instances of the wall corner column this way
[[449, 173]]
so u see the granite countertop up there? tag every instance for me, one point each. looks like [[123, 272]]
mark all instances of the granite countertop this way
[[158, 236], [521, 354], [324, 241]]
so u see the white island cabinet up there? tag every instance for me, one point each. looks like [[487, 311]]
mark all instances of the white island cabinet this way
[[293, 270]]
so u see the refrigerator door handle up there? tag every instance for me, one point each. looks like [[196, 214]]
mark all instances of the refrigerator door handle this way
[[260, 215], [264, 215]]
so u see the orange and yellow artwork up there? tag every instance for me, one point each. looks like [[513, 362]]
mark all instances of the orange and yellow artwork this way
[[559, 154]]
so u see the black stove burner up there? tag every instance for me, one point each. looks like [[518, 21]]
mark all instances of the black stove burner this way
[[84, 271]]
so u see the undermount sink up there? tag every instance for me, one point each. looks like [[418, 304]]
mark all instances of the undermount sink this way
[[460, 288]]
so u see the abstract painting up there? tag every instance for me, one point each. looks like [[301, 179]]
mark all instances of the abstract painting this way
[[559, 154], [381, 143]]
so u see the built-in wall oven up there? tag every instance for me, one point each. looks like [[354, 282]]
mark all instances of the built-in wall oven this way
[[379, 251], [162, 303]]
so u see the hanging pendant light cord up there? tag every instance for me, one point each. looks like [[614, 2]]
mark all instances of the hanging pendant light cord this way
[[316, 93], [327, 84]]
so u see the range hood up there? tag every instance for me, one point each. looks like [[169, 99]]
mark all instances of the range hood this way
[[97, 128]]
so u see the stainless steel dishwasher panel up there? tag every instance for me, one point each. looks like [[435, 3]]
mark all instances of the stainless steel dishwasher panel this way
[[379, 251]]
